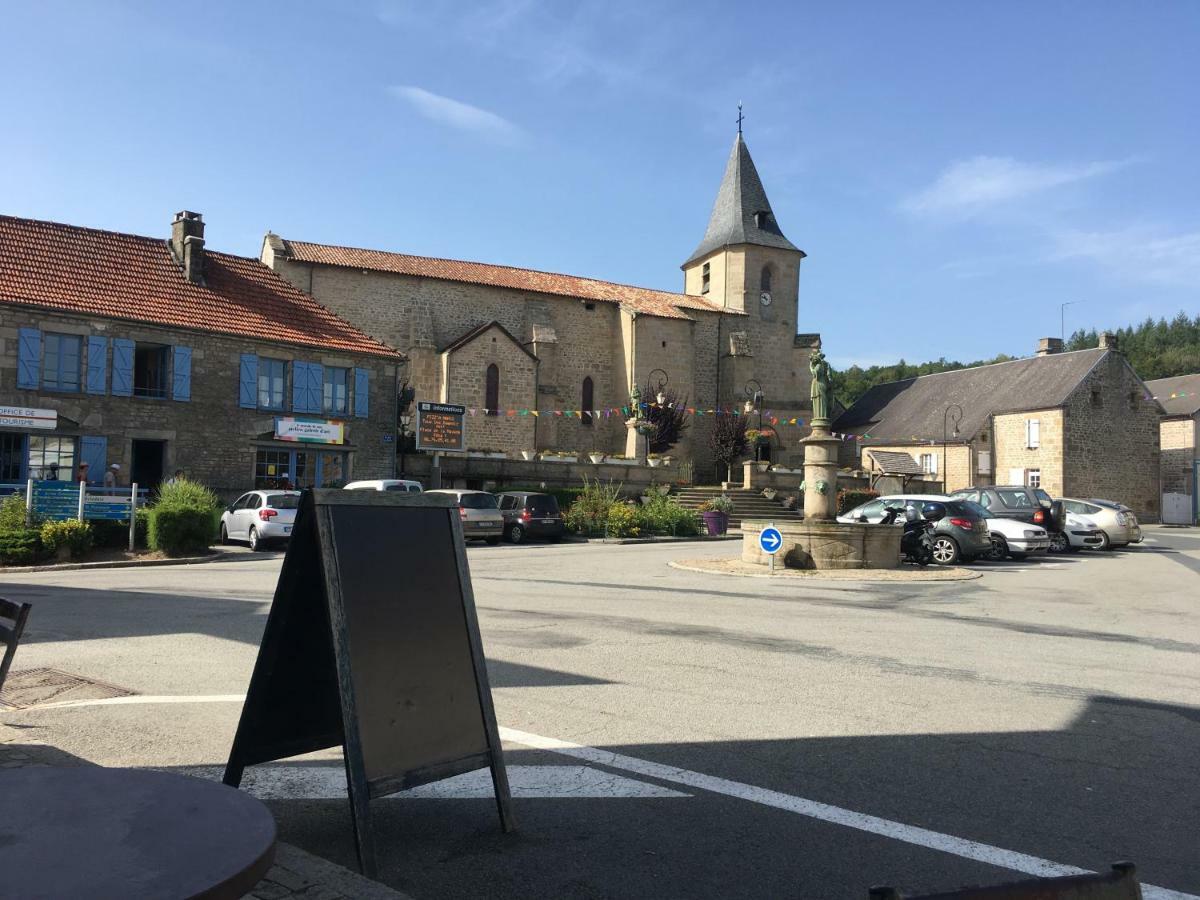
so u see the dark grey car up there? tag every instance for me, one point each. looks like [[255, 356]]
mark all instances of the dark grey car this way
[[528, 514]]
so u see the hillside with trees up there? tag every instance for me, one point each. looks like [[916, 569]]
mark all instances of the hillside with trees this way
[[1156, 349]]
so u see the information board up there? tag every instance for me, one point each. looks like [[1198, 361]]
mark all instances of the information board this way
[[391, 668], [440, 426]]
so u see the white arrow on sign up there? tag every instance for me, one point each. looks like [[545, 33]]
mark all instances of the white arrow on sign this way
[[770, 539]]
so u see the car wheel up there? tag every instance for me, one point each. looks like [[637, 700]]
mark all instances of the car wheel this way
[[1059, 542], [945, 550], [1105, 543], [999, 549], [516, 534], [224, 534], [492, 542], [255, 543]]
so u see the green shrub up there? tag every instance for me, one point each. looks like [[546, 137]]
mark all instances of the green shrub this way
[[589, 513], [621, 521], [72, 534], [12, 513], [187, 494], [662, 514], [849, 498], [20, 547], [180, 530], [115, 535]]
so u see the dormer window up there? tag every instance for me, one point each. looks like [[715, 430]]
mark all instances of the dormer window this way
[[762, 219], [704, 279]]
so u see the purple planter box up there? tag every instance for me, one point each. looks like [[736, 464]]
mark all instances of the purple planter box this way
[[716, 522]]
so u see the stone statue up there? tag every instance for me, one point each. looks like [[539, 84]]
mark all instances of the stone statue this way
[[820, 391]]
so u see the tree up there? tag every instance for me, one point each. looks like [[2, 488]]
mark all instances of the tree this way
[[670, 421], [727, 440]]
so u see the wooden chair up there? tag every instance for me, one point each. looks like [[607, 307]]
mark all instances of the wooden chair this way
[[10, 635], [1119, 884]]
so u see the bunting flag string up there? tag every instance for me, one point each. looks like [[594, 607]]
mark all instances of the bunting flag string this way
[[625, 412]]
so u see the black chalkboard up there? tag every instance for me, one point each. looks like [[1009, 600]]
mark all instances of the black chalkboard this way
[[372, 642]]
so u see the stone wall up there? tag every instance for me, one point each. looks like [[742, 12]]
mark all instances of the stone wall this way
[[1178, 439], [1009, 450], [466, 369], [210, 436]]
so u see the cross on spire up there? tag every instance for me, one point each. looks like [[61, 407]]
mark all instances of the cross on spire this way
[[740, 117]]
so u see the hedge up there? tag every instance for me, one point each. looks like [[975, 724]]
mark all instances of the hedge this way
[[180, 530], [849, 498], [20, 547]]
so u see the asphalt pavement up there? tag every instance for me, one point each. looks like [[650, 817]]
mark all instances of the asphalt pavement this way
[[674, 734]]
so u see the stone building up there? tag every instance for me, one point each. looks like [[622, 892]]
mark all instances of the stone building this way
[[157, 355], [1179, 432], [579, 345], [1078, 424]]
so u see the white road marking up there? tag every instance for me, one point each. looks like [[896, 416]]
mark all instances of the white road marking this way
[[328, 782], [135, 700], [909, 834]]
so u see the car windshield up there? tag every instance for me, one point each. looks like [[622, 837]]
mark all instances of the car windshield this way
[[974, 509], [283, 501], [477, 501], [398, 486], [542, 505]]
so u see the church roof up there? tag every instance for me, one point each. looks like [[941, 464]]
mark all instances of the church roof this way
[[742, 213], [646, 301]]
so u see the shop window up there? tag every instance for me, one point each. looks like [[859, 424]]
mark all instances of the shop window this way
[[150, 369], [271, 468], [491, 400], [588, 401], [272, 376], [51, 458], [60, 362], [336, 399], [12, 456]]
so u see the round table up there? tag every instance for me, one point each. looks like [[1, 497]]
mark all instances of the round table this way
[[120, 833]]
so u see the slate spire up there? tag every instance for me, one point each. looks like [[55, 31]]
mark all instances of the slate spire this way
[[741, 214]]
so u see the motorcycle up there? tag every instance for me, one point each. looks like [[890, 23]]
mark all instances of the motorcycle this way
[[917, 541]]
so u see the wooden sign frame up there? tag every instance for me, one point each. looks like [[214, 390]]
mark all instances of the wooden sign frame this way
[[302, 695]]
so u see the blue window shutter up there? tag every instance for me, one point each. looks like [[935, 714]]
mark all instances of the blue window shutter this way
[[362, 392], [94, 451], [300, 387], [29, 358], [181, 373], [316, 387], [248, 382], [122, 367], [97, 364]]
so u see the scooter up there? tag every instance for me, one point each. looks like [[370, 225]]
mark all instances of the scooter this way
[[917, 541]]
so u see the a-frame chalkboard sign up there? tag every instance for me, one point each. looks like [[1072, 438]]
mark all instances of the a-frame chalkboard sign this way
[[372, 643]]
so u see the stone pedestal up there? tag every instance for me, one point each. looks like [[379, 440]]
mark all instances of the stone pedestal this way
[[636, 443], [820, 470], [826, 545]]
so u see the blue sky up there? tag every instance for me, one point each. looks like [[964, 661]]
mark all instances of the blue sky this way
[[954, 171]]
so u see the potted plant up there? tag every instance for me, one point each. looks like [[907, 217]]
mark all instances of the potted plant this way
[[596, 457], [528, 455], [715, 513], [770, 493], [653, 460]]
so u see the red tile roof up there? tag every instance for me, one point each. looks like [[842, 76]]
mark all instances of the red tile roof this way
[[124, 276], [644, 300]]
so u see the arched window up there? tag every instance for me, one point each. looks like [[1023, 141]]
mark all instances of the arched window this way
[[588, 402], [491, 397], [764, 281]]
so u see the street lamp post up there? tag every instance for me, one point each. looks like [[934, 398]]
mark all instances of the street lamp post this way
[[658, 392], [754, 401], [1062, 319], [955, 412]]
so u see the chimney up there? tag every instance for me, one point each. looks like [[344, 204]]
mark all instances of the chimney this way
[[1108, 341], [1046, 346], [187, 244]]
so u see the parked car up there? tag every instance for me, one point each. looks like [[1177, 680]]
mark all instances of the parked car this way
[[260, 518], [386, 484], [481, 519], [1012, 537], [1119, 522], [1027, 504], [1084, 533], [960, 534], [531, 515]]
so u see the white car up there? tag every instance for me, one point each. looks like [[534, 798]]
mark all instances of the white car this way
[[386, 484], [1084, 533], [1012, 537], [260, 517]]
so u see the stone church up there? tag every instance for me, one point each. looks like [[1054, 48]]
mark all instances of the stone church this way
[[507, 339]]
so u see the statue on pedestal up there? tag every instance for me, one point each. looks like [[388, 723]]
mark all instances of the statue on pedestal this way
[[821, 389]]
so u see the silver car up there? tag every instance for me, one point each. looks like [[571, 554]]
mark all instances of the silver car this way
[[481, 518], [1118, 528], [260, 518]]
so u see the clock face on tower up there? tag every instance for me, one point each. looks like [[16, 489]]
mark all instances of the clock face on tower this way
[[765, 298]]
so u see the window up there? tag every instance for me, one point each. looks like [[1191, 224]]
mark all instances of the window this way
[[704, 278], [150, 371], [12, 456], [491, 398], [764, 280], [929, 463], [871, 510], [272, 375], [477, 501], [588, 401], [1033, 434], [1034, 478], [336, 399], [270, 466], [1097, 398], [60, 362], [51, 458]]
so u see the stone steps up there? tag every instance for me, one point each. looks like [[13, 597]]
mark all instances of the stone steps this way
[[747, 504]]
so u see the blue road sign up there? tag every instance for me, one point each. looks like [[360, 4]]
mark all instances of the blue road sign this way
[[770, 540]]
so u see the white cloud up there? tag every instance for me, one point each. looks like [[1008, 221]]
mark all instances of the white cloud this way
[[1141, 254], [459, 115], [976, 184]]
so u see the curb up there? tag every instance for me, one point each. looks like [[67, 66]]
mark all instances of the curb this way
[[836, 574], [120, 564], [668, 540]]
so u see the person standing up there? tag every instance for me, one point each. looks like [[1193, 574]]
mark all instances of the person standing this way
[[111, 476]]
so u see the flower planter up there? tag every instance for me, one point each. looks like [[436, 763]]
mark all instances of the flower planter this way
[[715, 522], [528, 455], [496, 455], [666, 460], [596, 458], [560, 459], [620, 462], [653, 463], [763, 466]]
